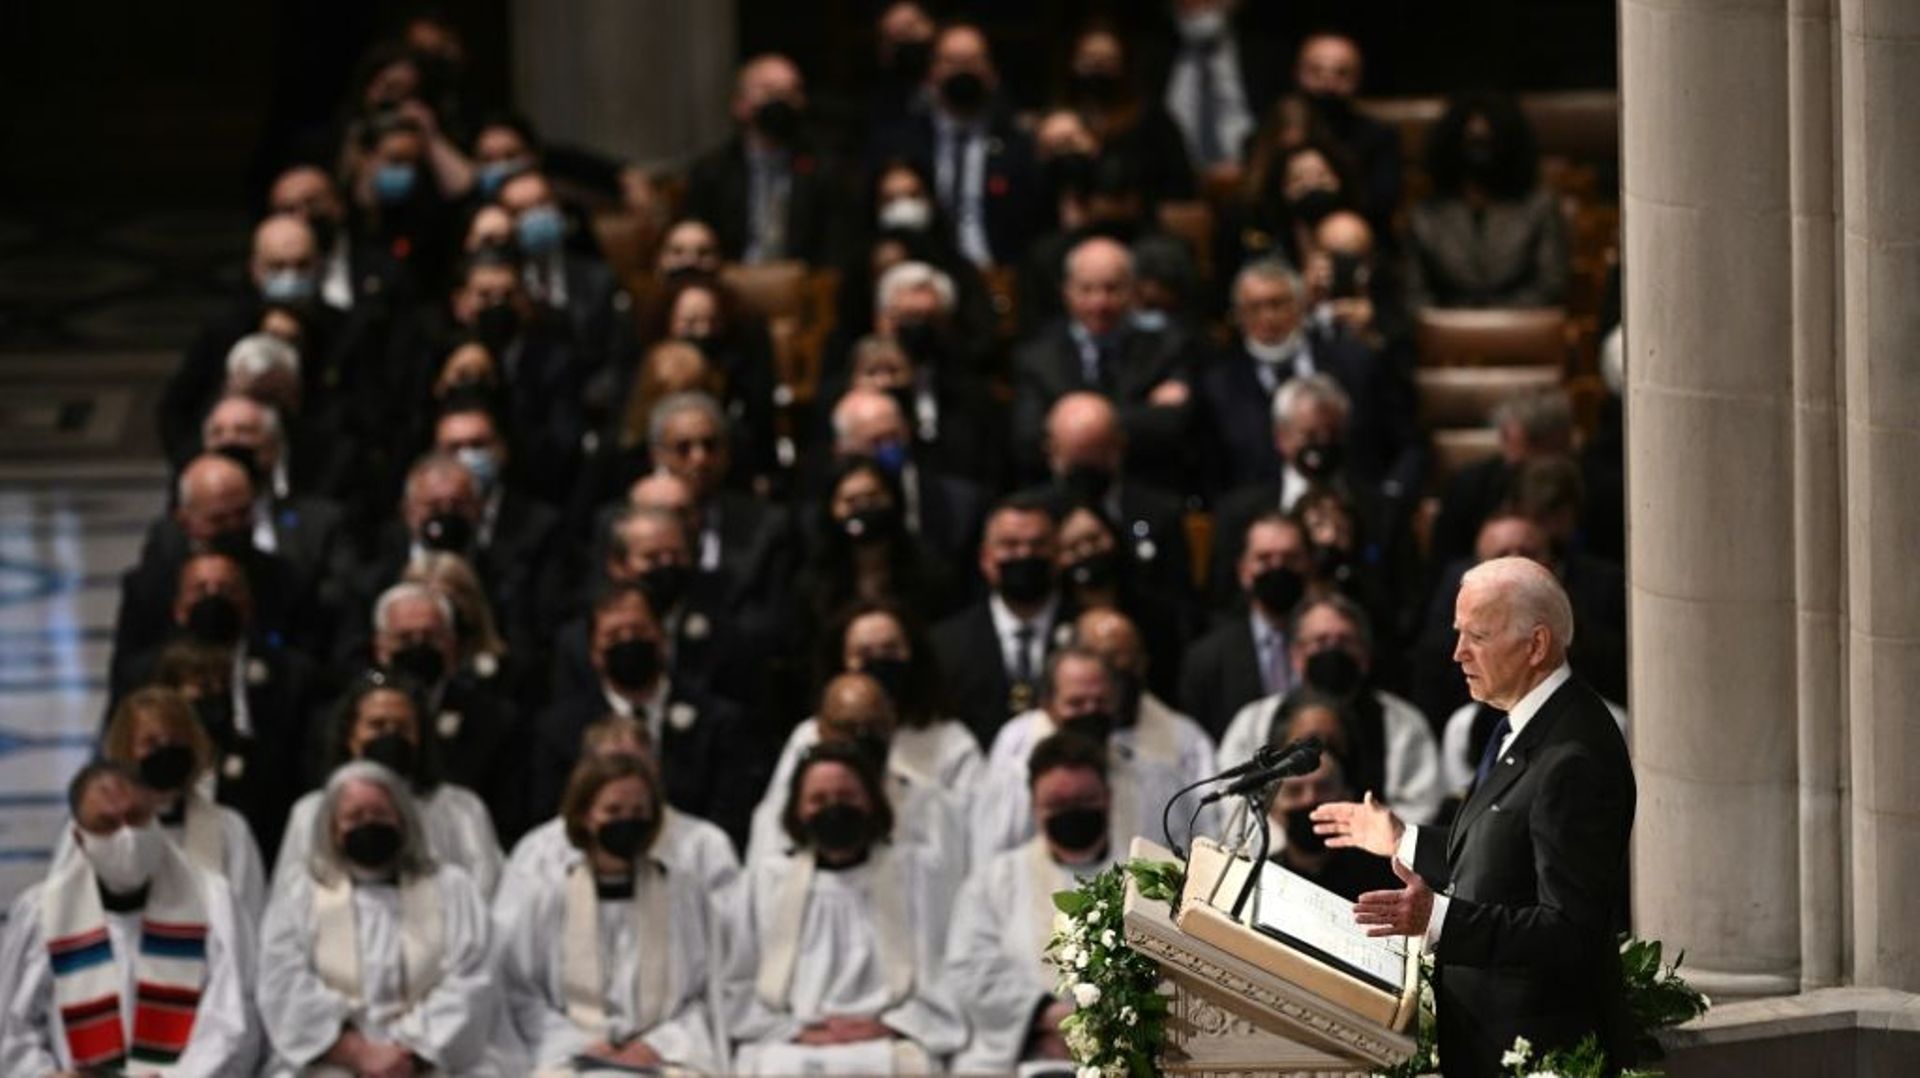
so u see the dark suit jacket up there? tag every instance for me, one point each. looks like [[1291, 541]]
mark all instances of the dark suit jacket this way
[[711, 769], [1511, 254], [281, 616], [1011, 188], [1221, 674], [1047, 367], [483, 744], [1265, 63], [721, 182], [1536, 862], [973, 668], [715, 650]]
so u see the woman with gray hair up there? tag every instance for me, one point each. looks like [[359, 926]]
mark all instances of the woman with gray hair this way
[[375, 958]]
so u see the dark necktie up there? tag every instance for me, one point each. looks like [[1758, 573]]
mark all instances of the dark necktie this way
[[956, 169], [1206, 102], [1023, 655], [1492, 752]]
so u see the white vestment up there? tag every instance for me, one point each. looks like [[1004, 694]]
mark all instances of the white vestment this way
[[1413, 785], [803, 943], [444, 1013], [996, 952], [943, 752], [225, 1038], [1140, 783], [533, 957], [459, 831], [692, 848], [924, 814]]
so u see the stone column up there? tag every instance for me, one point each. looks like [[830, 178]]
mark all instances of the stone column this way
[[1879, 83], [644, 80], [1819, 536], [1710, 481]]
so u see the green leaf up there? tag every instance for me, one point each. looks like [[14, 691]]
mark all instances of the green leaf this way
[[1072, 903]]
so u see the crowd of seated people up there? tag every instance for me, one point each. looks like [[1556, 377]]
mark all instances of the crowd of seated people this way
[[524, 677]]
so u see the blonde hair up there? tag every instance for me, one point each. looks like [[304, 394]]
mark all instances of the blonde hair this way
[[173, 711], [656, 381], [453, 579]]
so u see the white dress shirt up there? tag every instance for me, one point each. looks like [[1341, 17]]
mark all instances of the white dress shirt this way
[[1007, 626]]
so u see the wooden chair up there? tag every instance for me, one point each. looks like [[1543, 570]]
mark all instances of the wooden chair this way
[[1192, 222], [1455, 398], [1580, 125], [1519, 336], [1003, 290]]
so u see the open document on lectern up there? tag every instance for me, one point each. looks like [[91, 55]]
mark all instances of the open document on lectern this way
[[1307, 916]]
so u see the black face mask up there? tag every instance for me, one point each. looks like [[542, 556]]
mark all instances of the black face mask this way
[[1077, 829], [1025, 580], [371, 845], [166, 768], [214, 619], [215, 710], [235, 543], [1278, 589], [1095, 572], [919, 340], [1095, 726], [451, 532], [910, 60], [665, 586], [1335, 109], [1098, 87], [246, 457], [873, 748], [1477, 158], [1314, 206], [778, 120], [391, 751], [1300, 834], [422, 663], [1334, 672], [496, 326], [838, 828], [1070, 173], [1087, 483], [892, 674], [873, 525], [625, 838], [325, 230], [1319, 461], [632, 664], [964, 92]]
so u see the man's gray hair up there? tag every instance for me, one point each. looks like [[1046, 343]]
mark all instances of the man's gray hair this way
[[675, 404], [837, 419], [1271, 269], [1319, 387], [907, 276], [403, 591], [1354, 613], [262, 353], [1530, 593], [269, 419], [327, 864], [1543, 415]]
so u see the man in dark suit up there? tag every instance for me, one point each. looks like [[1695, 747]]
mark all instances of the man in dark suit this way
[[1328, 70], [1530, 426], [1098, 348], [965, 137], [568, 282], [747, 540], [945, 511], [710, 763], [350, 275], [1519, 901], [1275, 345], [993, 653], [1245, 657], [766, 191], [1216, 76]]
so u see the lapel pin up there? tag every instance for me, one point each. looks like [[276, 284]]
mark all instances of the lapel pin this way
[[682, 716]]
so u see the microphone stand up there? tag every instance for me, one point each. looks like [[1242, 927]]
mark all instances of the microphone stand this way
[[1257, 805]]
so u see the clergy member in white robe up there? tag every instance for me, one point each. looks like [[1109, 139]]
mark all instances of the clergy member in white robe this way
[[855, 709], [1331, 651], [834, 954], [877, 638], [996, 951], [155, 733], [692, 848], [1078, 693], [128, 958], [379, 721], [376, 952], [607, 960]]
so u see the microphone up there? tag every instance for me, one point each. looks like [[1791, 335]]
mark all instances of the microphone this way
[[1299, 758], [1264, 757]]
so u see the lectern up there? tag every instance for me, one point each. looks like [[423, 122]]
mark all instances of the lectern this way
[[1268, 993]]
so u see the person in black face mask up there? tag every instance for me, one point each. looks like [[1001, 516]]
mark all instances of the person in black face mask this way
[[1245, 658], [1102, 86], [903, 37], [1328, 71], [214, 604], [886, 642], [837, 807], [1346, 872], [155, 733], [442, 506], [863, 549]]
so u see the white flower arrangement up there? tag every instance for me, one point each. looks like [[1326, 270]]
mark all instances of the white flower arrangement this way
[[1118, 1024]]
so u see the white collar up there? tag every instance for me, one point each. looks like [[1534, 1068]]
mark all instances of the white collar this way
[[1292, 486], [1006, 623], [1536, 698]]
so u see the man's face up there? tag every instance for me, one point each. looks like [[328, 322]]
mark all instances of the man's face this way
[[241, 424], [1329, 65], [883, 369], [362, 803], [650, 544], [908, 306], [690, 246], [868, 422], [1512, 537], [769, 79], [627, 619], [1497, 661], [1266, 309], [1099, 290], [1068, 789], [207, 576], [498, 143], [111, 803], [1324, 629], [525, 192], [221, 502], [961, 49], [415, 621], [379, 714], [1012, 534], [468, 430], [1274, 546], [692, 449], [308, 193], [487, 286], [282, 244], [1315, 422], [1080, 687], [441, 490]]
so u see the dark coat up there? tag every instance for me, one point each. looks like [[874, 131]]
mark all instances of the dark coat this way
[[1047, 367], [1221, 674], [973, 669], [720, 184], [1011, 187]]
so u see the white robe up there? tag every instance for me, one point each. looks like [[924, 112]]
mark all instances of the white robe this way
[[459, 832], [450, 1026], [226, 1035], [1140, 783], [996, 952], [838, 969], [691, 848], [240, 860], [1413, 784], [531, 949], [943, 752], [924, 814]]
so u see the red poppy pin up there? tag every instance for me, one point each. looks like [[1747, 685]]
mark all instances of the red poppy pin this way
[[803, 165], [997, 186]]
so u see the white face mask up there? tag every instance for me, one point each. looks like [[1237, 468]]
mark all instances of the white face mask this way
[[1280, 351], [907, 214], [126, 859]]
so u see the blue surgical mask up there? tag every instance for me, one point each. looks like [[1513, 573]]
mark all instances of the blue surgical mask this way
[[287, 286], [394, 183], [489, 178], [540, 230], [482, 464], [891, 457]]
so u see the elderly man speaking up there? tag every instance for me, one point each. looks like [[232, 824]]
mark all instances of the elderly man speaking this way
[[1517, 901]]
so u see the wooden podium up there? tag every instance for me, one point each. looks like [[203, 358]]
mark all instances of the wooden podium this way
[[1244, 1003]]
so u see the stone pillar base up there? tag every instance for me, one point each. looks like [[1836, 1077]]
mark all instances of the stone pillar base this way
[[1835, 1033]]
